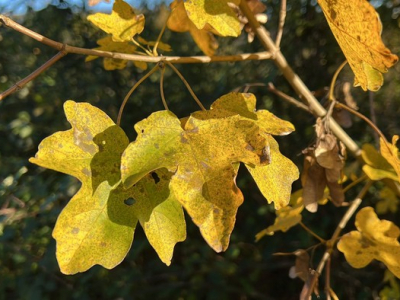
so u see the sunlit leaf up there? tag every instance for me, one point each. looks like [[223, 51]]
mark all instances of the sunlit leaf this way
[[216, 14], [122, 23], [375, 239], [391, 153], [98, 223], [180, 22], [357, 28], [377, 167]]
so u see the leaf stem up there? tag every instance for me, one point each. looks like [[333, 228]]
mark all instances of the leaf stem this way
[[354, 183], [287, 98], [312, 232], [155, 53], [330, 244], [333, 82], [186, 84], [121, 109], [162, 69], [141, 47]]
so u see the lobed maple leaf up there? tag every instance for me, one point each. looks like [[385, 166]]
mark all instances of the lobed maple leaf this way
[[98, 223], [376, 166], [122, 23], [357, 28], [391, 153], [204, 151], [375, 239]]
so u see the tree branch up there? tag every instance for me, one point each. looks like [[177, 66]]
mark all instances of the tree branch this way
[[294, 80], [150, 59], [282, 16], [33, 75]]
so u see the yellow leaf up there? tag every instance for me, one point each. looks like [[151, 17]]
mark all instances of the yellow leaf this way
[[160, 46], [205, 154], [388, 201], [180, 22], [375, 239], [357, 28], [98, 223], [391, 153], [377, 167], [286, 218], [122, 24], [217, 14], [392, 291]]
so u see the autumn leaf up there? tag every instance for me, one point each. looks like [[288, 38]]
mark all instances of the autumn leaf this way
[[286, 217], [388, 201], [94, 2], [180, 22], [216, 14], [122, 24], [98, 223], [107, 44], [391, 153], [205, 155], [375, 239], [357, 28], [376, 167]]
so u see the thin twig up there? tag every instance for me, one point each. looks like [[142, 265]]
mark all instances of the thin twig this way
[[162, 68], [132, 57], [333, 82], [312, 232], [328, 279], [354, 183], [282, 16], [155, 53], [330, 244], [187, 85], [121, 109], [287, 98], [294, 80], [33, 75], [372, 113]]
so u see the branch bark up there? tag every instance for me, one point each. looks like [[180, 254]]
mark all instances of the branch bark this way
[[294, 80]]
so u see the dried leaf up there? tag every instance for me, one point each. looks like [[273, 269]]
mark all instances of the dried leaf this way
[[123, 24], [357, 28], [375, 239], [301, 269]]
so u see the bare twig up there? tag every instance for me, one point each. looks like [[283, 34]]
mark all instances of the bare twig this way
[[151, 59], [287, 98], [372, 113], [33, 75], [161, 65], [294, 80], [330, 244], [121, 109], [282, 16], [187, 85]]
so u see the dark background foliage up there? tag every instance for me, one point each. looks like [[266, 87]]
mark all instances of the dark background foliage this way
[[31, 198]]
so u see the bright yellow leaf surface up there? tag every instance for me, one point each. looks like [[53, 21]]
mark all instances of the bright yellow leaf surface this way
[[375, 239], [391, 153], [180, 22], [376, 167], [217, 14], [98, 223], [205, 155], [122, 24], [357, 28], [286, 217]]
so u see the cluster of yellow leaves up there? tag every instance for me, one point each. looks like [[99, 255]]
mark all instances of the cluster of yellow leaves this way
[[374, 239], [173, 163], [357, 28]]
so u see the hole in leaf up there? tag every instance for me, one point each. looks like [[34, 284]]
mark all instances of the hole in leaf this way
[[155, 177], [130, 201]]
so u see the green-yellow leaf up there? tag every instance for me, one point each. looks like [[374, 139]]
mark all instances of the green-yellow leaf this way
[[377, 167], [217, 14], [375, 239], [180, 22], [97, 225], [357, 28], [203, 156], [122, 24], [391, 153]]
